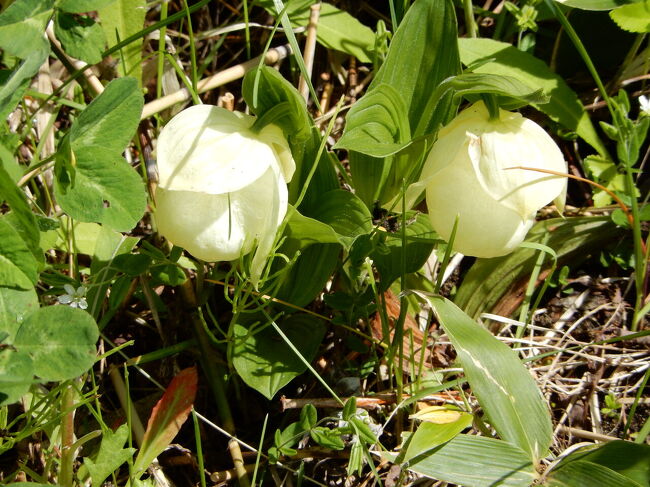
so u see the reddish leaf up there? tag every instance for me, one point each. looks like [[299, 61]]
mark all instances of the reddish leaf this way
[[167, 417]]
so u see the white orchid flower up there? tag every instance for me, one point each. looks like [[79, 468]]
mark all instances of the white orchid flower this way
[[469, 173], [222, 188]]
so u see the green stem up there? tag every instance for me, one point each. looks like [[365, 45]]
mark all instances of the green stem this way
[[161, 48], [640, 261], [215, 379], [470, 23]]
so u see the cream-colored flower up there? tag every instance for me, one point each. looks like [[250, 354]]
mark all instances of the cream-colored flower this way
[[466, 174], [221, 187]]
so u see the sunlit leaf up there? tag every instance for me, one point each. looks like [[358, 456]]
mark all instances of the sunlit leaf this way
[[265, 362], [503, 386], [61, 341], [111, 454], [476, 461], [121, 19]]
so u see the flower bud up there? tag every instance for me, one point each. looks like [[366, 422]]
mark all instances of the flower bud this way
[[222, 187], [467, 175]]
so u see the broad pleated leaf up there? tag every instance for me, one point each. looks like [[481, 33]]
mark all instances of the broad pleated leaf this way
[[581, 473], [504, 59], [497, 285], [122, 19], [476, 461]]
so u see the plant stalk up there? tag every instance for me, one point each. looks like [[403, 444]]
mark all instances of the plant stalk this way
[[215, 379]]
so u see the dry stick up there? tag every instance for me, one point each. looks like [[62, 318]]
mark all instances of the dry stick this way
[[362, 402], [310, 48], [93, 81], [214, 81]]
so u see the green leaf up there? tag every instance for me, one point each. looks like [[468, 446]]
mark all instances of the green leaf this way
[[16, 375], [107, 190], [61, 341], [12, 276], [633, 18], [623, 457], [81, 6], [22, 26], [377, 124], [308, 276], [500, 382], [265, 362], [564, 107], [16, 81], [110, 456], [101, 187], [346, 214], [302, 232], [476, 461], [21, 216], [337, 29], [580, 472], [595, 4], [497, 285], [431, 435], [420, 240], [14, 249], [264, 90], [167, 417], [427, 33], [327, 438], [81, 37], [121, 19], [324, 178], [110, 121], [15, 306]]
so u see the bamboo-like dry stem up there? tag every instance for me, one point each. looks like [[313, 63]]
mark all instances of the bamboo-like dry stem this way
[[93, 81], [310, 49], [219, 79], [362, 402]]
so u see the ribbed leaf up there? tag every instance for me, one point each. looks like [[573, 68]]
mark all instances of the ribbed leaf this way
[[504, 388], [503, 59], [476, 461], [496, 285]]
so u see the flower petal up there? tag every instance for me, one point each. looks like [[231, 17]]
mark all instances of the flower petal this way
[[273, 135], [220, 227], [514, 141], [209, 149], [486, 228]]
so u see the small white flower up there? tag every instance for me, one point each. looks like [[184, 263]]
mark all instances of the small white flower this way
[[644, 103], [74, 298]]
